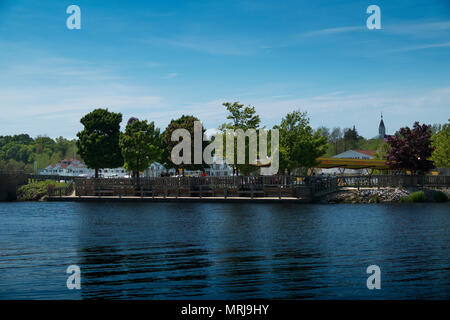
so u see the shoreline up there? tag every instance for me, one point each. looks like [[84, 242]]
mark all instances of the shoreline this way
[[345, 196]]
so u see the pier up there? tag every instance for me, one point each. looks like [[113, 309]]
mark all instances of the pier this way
[[258, 189], [205, 189]]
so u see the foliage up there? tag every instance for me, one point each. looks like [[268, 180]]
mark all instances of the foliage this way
[[98, 143], [243, 118], [184, 122], [411, 149], [37, 190], [418, 196], [377, 198], [141, 145], [441, 144], [19, 152], [299, 145], [440, 196]]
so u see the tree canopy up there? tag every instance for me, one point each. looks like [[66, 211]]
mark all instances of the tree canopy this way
[[300, 146], [411, 149], [441, 144], [141, 145], [19, 152], [243, 118], [98, 143], [184, 122]]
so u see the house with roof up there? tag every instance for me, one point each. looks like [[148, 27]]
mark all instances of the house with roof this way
[[68, 167]]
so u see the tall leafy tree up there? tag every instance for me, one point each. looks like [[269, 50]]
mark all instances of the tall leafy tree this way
[[350, 138], [441, 144], [98, 143], [184, 122], [300, 146], [241, 118], [140, 145], [411, 149], [335, 135]]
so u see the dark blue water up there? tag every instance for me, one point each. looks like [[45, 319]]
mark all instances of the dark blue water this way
[[224, 251]]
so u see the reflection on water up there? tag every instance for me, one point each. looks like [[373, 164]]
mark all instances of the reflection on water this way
[[223, 251]]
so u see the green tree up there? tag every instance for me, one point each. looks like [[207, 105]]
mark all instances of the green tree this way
[[243, 118], [184, 122], [440, 141], [98, 143], [351, 138], [300, 146], [140, 145]]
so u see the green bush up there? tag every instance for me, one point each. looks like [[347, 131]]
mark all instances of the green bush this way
[[377, 198], [439, 196], [37, 190], [418, 196]]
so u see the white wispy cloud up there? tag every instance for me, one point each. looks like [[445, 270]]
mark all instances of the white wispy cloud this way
[[170, 75], [410, 28], [422, 47], [330, 31], [418, 29], [210, 44]]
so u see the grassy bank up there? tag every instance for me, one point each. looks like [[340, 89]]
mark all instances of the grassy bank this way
[[37, 190]]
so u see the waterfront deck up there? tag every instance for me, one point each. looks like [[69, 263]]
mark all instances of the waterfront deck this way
[[258, 189], [180, 199], [202, 189]]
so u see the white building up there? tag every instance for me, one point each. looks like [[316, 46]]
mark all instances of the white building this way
[[77, 168], [68, 167], [219, 170], [156, 169]]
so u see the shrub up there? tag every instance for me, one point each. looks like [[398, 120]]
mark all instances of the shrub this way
[[418, 196], [377, 198], [439, 196], [36, 190]]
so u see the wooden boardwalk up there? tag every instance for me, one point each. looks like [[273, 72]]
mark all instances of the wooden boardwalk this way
[[231, 189], [200, 189], [180, 199]]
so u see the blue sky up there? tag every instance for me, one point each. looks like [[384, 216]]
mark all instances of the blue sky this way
[[157, 60]]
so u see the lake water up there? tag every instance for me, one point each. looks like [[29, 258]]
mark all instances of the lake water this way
[[224, 251]]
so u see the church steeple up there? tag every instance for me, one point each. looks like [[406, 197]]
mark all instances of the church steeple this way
[[382, 128]]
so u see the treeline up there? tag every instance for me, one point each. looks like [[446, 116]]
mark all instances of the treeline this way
[[20, 152], [340, 140], [102, 145]]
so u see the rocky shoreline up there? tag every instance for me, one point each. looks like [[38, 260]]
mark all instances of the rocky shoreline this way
[[382, 195]]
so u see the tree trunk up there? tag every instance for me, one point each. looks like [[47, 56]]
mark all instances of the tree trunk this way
[[96, 173]]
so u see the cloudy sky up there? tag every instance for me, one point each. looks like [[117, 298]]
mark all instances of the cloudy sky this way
[[160, 59]]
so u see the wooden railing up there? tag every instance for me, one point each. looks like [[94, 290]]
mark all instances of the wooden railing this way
[[240, 186], [61, 191]]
